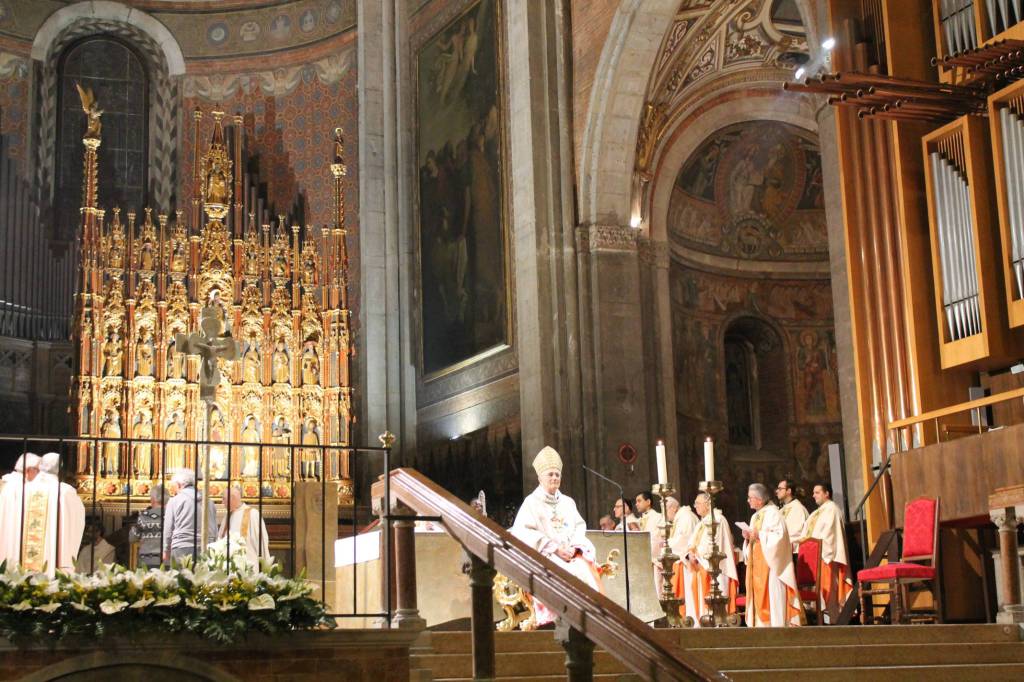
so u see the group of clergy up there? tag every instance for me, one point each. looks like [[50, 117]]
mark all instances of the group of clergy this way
[[43, 522], [771, 542], [41, 519]]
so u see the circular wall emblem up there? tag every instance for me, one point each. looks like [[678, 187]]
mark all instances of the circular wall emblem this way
[[217, 34], [627, 453]]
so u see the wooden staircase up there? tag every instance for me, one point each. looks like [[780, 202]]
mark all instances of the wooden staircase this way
[[960, 653]]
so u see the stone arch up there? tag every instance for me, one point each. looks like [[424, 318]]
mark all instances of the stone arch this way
[[701, 121], [162, 665], [608, 147], [166, 67]]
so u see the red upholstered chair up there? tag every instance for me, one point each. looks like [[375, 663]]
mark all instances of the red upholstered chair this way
[[808, 575], [918, 566]]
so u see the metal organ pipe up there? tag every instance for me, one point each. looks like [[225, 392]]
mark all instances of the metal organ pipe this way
[[1013, 162]]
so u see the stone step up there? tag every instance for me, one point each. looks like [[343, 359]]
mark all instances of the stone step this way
[[850, 656], [608, 677], [845, 635], [945, 673], [445, 666], [544, 640]]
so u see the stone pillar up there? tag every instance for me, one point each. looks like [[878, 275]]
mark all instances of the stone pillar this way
[[481, 583], [579, 652], [541, 177], [1011, 610], [407, 614], [614, 372]]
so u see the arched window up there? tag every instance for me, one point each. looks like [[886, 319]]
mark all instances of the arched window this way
[[118, 77], [755, 386]]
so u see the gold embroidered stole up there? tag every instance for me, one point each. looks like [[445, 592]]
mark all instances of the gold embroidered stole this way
[[33, 539]]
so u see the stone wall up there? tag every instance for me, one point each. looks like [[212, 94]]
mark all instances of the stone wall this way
[[357, 655]]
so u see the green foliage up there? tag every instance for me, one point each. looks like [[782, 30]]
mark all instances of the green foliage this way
[[204, 600]]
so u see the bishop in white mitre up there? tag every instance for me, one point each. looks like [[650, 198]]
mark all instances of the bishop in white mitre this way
[[827, 526], [549, 522], [245, 524], [772, 596], [12, 507], [692, 578], [65, 516]]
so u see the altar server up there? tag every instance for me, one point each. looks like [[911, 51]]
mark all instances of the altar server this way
[[826, 524], [772, 596]]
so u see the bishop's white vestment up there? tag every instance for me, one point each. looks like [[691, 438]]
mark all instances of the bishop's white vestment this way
[[247, 525], [11, 518], [65, 519], [547, 522], [772, 596]]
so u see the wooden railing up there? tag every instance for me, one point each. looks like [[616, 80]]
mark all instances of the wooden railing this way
[[902, 428], [591, 617]]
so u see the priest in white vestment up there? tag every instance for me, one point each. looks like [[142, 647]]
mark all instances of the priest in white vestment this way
[[12, 509], [96, 552], [245, 524], [683, 522], [772, 596], [692, 579], [826, 525], [624, 508], [65, 517], [549, 522], [793, 511]]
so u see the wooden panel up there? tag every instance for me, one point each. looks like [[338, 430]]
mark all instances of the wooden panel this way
[[909, 56], [998, 100], [963, 472]]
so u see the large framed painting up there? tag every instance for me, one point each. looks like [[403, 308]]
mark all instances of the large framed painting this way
[[463, 255]]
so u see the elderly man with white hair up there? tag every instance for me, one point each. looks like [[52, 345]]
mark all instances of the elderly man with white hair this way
[[245, 524], [12, 507], [772, 596], [182, 533], [65, 516], [549, 522]]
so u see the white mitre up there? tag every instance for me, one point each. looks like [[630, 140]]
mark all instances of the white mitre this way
[[50, 463], [29, 460], [546, 460]]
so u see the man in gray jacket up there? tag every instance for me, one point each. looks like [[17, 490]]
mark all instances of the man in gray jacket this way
[[181, 519], [148, 528]]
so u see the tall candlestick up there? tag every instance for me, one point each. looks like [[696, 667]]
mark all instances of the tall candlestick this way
[[709, 459], [659, 451]]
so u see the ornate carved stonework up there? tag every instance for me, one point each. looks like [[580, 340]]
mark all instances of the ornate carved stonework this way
[[591, 238], [278, 291]]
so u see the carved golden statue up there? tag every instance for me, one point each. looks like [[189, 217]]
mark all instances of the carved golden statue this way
[[250, 454], [144, 355], [178, 258], [175, 454], [280, 433], [175, 362], [280, 364], [251, 363], [310, 465], [112, 355], [92, 111], [310, 367], [143, 451], [111, 428]]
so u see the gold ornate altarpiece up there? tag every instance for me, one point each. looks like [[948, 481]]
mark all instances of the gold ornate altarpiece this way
[[282, 295]]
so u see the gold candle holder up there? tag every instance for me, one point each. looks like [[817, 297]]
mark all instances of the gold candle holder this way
[[670, 603], [718, 603]]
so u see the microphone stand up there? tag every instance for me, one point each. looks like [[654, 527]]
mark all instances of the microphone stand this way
[[625, 543]]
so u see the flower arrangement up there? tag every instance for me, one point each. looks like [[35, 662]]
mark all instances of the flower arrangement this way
[[204, 599]]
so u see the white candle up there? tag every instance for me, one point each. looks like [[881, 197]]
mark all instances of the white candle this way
[[709, 459], [659, 451]]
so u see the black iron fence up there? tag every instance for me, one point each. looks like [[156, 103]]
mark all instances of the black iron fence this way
[[80, 466]]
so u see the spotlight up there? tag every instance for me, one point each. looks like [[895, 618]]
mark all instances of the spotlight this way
[[634, 221], [828, 44], [800, 73], [1018, 368]]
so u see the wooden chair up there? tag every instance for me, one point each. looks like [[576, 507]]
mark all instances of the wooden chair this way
[[808, 576], [919, 566]]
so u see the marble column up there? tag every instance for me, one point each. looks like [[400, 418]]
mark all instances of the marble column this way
[[1007, 521]]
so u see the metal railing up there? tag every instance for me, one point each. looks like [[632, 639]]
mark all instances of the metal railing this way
[[365, 463]]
